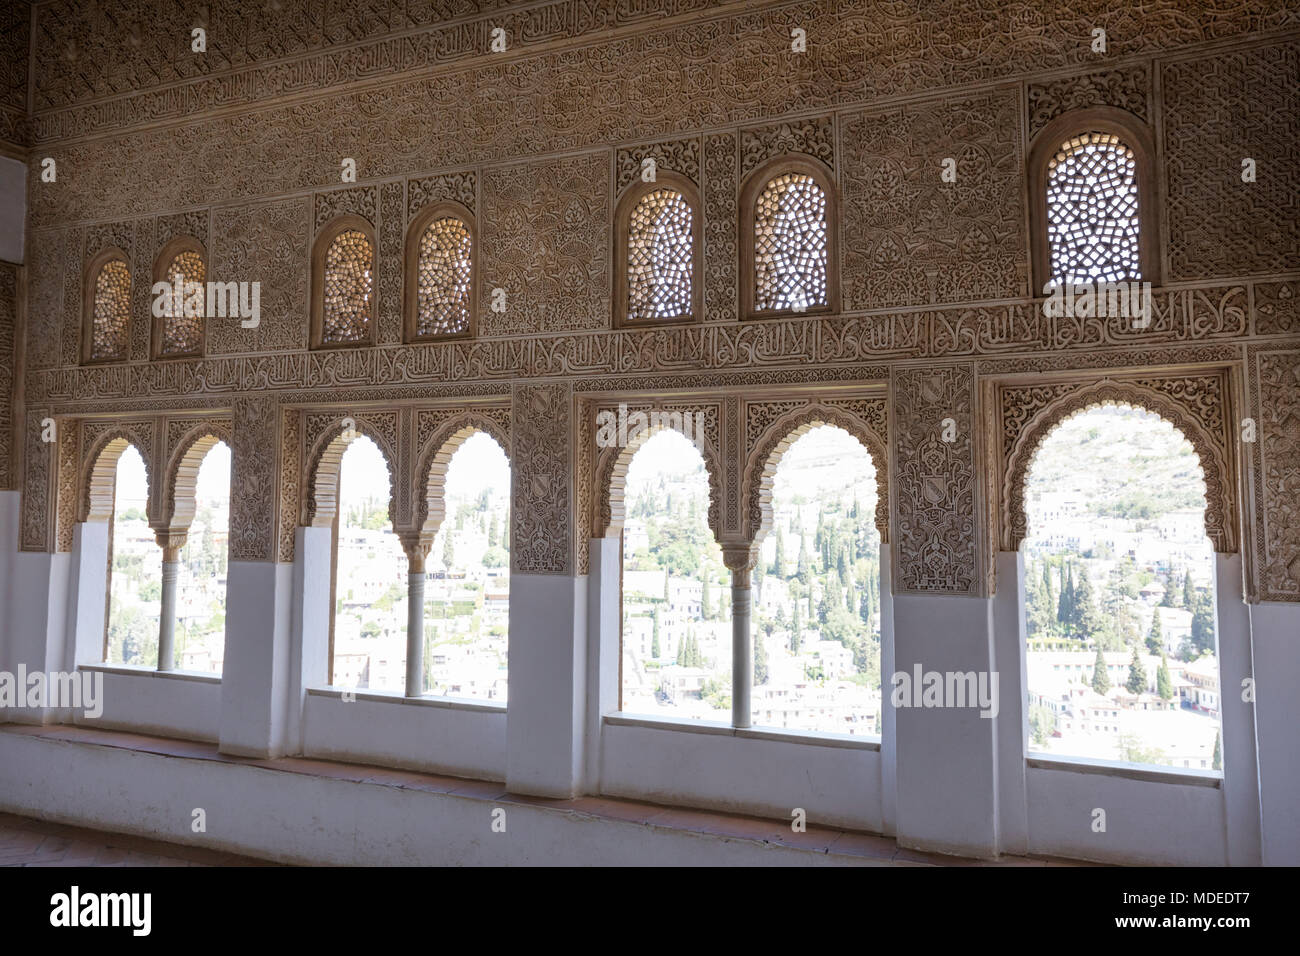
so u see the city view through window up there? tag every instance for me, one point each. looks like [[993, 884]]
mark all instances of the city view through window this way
[[816, 591], [1119, 595], [467, 590]]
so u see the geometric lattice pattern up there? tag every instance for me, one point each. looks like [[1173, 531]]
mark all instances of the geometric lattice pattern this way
[[112, 311], [660, 257], [443, 278], [1092, 211], [790, 238], [349, 288], [182, 326]]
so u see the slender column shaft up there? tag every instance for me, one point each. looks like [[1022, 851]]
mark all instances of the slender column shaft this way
[[167, 616], [415, 632], [742, 649]]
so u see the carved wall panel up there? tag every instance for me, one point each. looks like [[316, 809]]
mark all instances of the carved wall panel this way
[[1198, 405], [910, 237], [456, 187], [8, 357], [392, 235], [1125, 88], [194, 223], [721, 187], [678, 156], [291, 483], [1219, 110], [254, 481], [812, 137], [1276, 454], [15, 42], [38, 466], [936, 533], [69, 438], [45, 281], [541, 511], [269, 244], [1277, 308], [545, 241]]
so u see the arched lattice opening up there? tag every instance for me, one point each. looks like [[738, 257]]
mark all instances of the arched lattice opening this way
[[817, 601], [1119, 594], [179, 299], [657, 251], [106, 325], [441, 279], [675, 602], [467, 590], [343, 284]]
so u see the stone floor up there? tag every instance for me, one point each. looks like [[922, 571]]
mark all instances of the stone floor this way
[[28, 842]]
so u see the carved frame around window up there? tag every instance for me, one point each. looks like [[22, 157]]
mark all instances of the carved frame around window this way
[[752, 189], [320, 250], [89, 281], [1133, 133], [430, 214], [627, 204]]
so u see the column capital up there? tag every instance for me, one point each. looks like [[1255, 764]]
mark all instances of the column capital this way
[[740, 559], [416, 544], [171, 543]]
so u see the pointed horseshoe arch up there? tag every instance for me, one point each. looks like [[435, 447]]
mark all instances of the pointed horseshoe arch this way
[[760, 473], [612, 482], [99, 475], [321, 503], [1220, 524], [183, 471], [436, 459]]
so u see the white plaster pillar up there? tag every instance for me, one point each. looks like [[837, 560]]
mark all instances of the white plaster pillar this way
[[309, 637], [946, 756], [888, 726], [87, 607], [1240, 769], [1275, 647], [1012, 720], [604, 602], [255, 680], [548, 684]]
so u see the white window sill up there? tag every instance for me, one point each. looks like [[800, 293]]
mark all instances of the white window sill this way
[[805, 737]]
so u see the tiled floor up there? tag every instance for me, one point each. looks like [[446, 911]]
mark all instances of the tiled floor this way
[[27, 842]]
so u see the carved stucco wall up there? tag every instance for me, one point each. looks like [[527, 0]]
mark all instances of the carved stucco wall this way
[[537, 142], [8, 355]]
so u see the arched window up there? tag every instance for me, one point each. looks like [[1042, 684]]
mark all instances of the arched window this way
[[179, 311], [467, 589], [816, 611], [441, 290], [135, 565], [1093, 202], [108, 308], [201, 582], [368, 649], [343, 284], [788, 237], [676, 606], [657, 245], [1122, 656]]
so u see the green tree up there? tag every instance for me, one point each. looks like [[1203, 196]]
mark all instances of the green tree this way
[[778, 562], [448, 550], [654, 640], [796, 630], [494, 532], [1155, 637], [1137, 675], [706, 600], [1164, 686], [804, 571], [1085, 619], [1188, 590], [1217, 762], [865, 610], [1171, 591], [1065, 609], [1100, 676], [1202, 624], [760, 658]]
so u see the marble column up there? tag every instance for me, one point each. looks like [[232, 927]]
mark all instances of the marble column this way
[[416, 547], [740, 561], [171, 542]]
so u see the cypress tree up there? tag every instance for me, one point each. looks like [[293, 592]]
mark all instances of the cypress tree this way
[[1065, 609], [1100, 676], [1164, 686], [805, 562], [1217, 762], [1189, 592], [1171, 593], [654, 640], [778, 562], [796, 630], [865, 610], [1155, 637], [706, 600], [1137, 675], [760, 658]]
